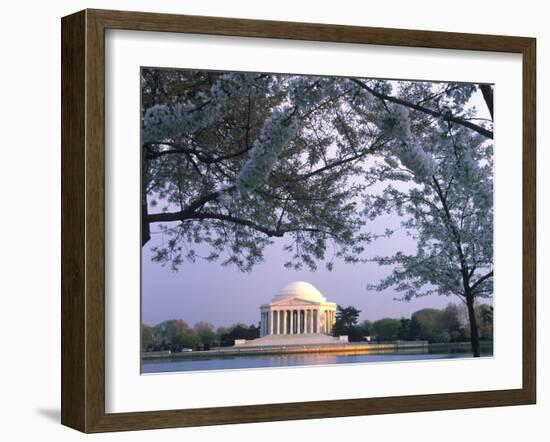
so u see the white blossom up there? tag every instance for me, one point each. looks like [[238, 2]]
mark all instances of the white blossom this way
[[415, 158], [391, 162], [277, 131], [163, 121], [396, 123], [307, 92]]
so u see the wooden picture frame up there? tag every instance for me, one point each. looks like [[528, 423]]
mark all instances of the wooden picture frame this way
[[83, 220]]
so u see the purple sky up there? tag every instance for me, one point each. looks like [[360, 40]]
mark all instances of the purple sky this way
[[204, 291]]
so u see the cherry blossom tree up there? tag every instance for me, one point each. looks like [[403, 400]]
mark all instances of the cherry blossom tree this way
[[234, 160], [446, 207]]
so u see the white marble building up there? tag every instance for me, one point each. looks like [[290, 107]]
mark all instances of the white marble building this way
[[298, 309]]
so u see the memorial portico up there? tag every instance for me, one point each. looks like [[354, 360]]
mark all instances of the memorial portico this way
[[298, 309]]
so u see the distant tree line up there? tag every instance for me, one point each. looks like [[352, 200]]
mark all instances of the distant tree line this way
[[176, 335], [434, 325]]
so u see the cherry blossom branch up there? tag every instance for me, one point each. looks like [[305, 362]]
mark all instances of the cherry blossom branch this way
[[480, 280], [481, 130], [280, 231]]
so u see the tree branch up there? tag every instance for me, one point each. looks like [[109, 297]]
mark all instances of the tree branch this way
[[183, 216], [480, 280], [180, 149], [337, 163], [487, 92], [481, 130], [454, 232], [190, 209]]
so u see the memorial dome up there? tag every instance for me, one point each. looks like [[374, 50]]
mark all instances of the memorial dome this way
[[300, 290]]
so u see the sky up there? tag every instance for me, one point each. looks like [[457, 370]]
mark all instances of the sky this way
[[222, 296]]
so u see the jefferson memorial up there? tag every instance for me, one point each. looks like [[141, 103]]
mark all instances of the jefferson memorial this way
[[299, 308], [298, 314]]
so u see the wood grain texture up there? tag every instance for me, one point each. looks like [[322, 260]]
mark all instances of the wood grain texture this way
[[83, 220], [529, 221], [73, 254], [144, 21]]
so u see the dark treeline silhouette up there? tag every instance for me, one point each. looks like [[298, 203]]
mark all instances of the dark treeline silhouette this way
[[176, 335], [434, 325]]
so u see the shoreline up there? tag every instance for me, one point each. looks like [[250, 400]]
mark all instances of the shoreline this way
[[348, 348]]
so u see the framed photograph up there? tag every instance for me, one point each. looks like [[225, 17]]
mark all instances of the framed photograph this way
[[266, 220]]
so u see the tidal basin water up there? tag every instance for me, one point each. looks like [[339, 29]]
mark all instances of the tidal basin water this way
[[201, 363]]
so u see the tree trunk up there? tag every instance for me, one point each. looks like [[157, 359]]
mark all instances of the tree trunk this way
[[145, 229], [487, 92], [474, 335]]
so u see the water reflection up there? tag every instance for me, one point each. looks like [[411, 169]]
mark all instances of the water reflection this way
[[201, 363]]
